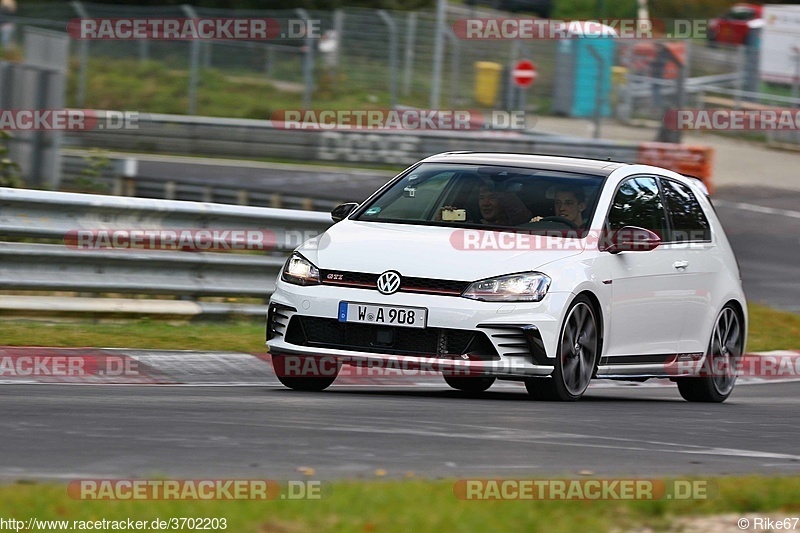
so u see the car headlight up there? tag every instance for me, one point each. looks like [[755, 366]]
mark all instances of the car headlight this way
[[524, 287], [300, 271]]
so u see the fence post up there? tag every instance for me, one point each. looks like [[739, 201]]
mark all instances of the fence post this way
[[741, 60], [144, 50], [510, 87], [194, 63], [83, 53], [438, 51], [338, 28], [455, 64], [308, 62], [207, 54], [37, 140], [752, 75], [411, 29], [391, 25]]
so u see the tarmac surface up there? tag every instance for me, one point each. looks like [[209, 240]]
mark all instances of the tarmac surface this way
[[170, 414]]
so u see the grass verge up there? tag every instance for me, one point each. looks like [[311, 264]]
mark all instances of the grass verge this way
[[770, 329], [241, 336], [417, 505]]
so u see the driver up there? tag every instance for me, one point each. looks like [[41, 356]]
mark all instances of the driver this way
[[569, 203], [498, 208]]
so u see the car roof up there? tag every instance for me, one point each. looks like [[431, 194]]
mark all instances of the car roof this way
[[543, 162]]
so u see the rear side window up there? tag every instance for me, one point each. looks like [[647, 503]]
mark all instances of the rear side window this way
[[689, 222], [638, 203]]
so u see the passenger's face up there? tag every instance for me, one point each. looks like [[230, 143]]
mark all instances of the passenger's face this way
[[567, 206], [489, 204]]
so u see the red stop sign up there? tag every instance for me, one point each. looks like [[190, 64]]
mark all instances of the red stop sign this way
[[524, 73]]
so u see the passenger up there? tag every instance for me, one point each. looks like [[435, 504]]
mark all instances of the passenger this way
[[498, 208]]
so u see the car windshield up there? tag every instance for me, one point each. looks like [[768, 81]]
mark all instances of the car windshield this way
[[488, 197]]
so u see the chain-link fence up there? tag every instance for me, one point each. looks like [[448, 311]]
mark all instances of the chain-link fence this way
[[357, 58]]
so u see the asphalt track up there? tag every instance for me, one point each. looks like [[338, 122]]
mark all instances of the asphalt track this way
[[763, 226], [66, 432]]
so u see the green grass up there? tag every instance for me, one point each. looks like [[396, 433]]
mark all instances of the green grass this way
[[772, 330], [367, 506], [769, 330], [241, 336], [158, 87]]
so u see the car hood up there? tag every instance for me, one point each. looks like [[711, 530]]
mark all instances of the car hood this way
[[433, 252]]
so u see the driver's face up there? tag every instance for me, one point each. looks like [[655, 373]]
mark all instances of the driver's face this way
[[567, 206], [489, 204]]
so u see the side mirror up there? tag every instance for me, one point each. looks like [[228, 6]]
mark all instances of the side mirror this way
[[341, 211], [631, 239]]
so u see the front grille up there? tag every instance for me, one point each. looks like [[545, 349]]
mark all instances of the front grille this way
[[330, 333], [433, 286], [444, 287]]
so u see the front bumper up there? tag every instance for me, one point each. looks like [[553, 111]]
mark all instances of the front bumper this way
[[517, 339]]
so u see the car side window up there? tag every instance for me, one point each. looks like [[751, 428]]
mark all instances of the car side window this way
[[638, 203], [689, 222]]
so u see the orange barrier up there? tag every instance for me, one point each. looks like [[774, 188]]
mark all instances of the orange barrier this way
[[691, 160]]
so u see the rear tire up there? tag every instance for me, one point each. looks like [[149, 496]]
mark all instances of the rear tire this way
[[471, 385], [578, 350], [718, 373], [305, 373]]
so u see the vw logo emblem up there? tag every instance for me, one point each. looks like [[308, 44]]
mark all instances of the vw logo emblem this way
[[388, 282]]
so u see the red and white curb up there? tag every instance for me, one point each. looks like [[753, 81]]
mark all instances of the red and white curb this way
[[105, 366]]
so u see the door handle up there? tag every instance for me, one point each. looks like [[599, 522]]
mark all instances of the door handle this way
[[680, 265]]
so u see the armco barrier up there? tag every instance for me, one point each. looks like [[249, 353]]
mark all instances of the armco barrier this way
[[56, 266], [124, 174], [262, 139], [223, 137]]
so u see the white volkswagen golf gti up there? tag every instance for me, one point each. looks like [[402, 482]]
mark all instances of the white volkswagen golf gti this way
[[547, 270]]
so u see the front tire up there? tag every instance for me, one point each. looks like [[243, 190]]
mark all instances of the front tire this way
[[718, 373], [305, 373], [578, 350]]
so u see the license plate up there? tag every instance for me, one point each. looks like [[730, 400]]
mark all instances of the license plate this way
[[384, 315]]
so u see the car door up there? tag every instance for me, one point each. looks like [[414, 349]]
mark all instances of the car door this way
[[644, 323], [697, 266]]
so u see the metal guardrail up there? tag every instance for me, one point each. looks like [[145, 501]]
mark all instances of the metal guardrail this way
[[77, 174], [26, 266], [261, 139]]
